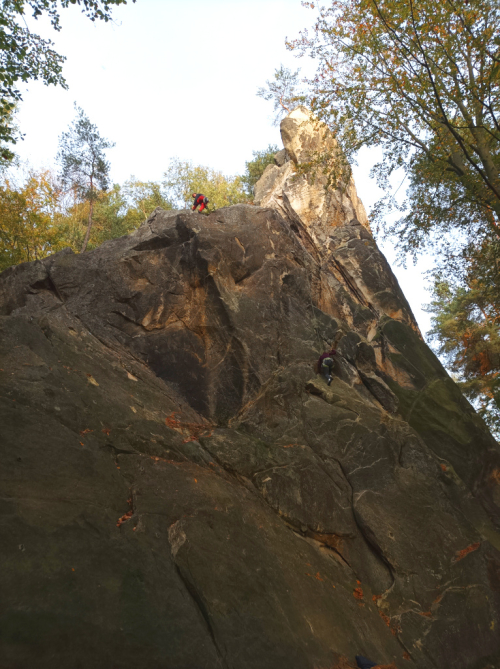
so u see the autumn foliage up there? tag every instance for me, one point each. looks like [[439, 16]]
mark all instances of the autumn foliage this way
[[421, 81], [29, 227], [465, 326]]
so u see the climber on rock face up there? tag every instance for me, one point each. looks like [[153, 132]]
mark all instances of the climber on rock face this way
[[201, 200], [325, 364]]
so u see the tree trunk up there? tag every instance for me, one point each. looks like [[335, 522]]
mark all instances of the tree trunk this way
[[87, 234]]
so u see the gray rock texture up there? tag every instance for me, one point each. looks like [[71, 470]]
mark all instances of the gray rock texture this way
[[281, 158], [179, 490]]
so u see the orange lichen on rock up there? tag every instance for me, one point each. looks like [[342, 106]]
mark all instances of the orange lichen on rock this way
[[495, 476], [443, 467], [193, 431], [124, 518], [171, 421], [459, 555], [385, 618], [358, 593], [331, 540], [128, 515], [427, 614], [394, 627]]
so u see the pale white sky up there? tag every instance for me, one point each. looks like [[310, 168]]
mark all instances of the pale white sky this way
[[171, 78]]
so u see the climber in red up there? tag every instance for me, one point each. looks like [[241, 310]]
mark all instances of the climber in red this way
[[200, 200], [325, 364]]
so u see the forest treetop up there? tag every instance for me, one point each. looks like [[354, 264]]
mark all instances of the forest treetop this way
[[25, 56], [420, 79]]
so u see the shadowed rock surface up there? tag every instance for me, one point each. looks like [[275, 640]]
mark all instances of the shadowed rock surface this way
[[181, 491]]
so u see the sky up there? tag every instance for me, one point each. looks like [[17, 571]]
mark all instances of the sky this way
[[172, 78]]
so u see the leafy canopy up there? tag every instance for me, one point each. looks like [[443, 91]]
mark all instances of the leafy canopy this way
[[38, 218], [28, 225], [465, 326], [421, 80], [283, 91], [25, 56], [114, 214], [254, 169], [182, 179]]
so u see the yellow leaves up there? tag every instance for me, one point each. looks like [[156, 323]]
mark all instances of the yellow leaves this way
[[27, 230]]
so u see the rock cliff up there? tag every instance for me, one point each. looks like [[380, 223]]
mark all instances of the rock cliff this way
[[181, 491]]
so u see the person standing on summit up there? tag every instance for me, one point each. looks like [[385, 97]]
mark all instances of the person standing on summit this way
[[200, 200]]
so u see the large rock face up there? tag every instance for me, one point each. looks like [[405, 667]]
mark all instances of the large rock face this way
[[181, 491]]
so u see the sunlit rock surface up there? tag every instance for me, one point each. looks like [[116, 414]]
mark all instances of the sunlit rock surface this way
[[181, 491]]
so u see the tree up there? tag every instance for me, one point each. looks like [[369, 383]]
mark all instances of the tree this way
[[28, 219], [25, 56], [38, 219], [283, 92], [254, 169], [465, 325], [465, 322], [421, 80], [182, 179], [143, 197], [110, 218], [84, 168]]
